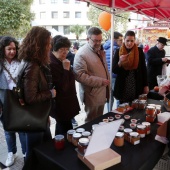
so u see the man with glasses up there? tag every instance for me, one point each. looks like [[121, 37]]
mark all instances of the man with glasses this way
[[118, 40], [91, 72], [156, 60]]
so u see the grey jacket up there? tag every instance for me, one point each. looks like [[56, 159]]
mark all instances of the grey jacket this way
[[89, 72]]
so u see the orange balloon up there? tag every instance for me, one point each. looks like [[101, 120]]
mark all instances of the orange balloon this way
[[105, 20]]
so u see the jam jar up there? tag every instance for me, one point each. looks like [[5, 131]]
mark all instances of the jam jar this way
[[127, 131], [70, 134], [142, 104], [121, 108], [158, 109], [141, 129], [148, 127], [59, 142], [135, 104], [86, 134], [80, 130], [119, 139], [75, 138], [82, 145], [150, 118], [150, 110], [134, 138]]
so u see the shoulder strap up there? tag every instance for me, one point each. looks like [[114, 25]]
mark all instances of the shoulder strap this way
[[9, 74]]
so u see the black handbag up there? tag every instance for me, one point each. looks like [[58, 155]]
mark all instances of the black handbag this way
[[21, 117]]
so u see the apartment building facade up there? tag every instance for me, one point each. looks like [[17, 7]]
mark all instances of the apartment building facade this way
[[58, 15]]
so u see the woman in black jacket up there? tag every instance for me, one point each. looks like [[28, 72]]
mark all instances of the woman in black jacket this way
[[66, 101], [37, 80], [129, 65]]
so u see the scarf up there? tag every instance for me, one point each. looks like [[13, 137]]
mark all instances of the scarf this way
[[133, 57]]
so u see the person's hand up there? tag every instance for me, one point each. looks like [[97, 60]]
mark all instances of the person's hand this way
[[146, 90], [105, 82], [66, 64], [53, 92], [164, 59], [122, 59]]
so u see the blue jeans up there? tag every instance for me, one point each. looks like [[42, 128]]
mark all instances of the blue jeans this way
[[11, 141]]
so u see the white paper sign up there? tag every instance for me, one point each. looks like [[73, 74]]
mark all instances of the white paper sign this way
[[102, 137]]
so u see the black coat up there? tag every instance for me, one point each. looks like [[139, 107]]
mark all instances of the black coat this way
[[67, 105], [140, 75], [155, 64]]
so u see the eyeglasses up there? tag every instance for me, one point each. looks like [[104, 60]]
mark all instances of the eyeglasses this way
[[64, 50], [96, 41]]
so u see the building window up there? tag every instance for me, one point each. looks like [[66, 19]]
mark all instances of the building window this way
[[66, 14], [77, 14], [66, 1], [41, 1], [77, 1], [66, 30], [55, 27], [54, 14], [54, 1], [42, 15]]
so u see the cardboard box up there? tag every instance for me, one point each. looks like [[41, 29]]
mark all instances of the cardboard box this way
[[99, 155]]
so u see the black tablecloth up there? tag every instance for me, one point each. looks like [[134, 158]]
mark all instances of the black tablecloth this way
[[133, 157], [155, 95]]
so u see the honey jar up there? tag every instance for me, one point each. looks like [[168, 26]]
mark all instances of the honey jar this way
[[150, 110], [134, 138], [148, 127], [150, 118], [141, 129], [119, 139], [86, 134], [142, 104], [75, 138], [135, 104], [121, 108], [70, 134], [143, 97], [158, 109], [127, 131], [80, 130], [82, 145], [126, 106]]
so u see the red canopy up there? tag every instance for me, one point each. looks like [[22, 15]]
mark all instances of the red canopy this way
[[159, 9]]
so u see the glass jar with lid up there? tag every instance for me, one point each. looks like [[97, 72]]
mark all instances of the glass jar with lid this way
[[141, 129], [119, 139], [135, 104], [70, 134], [75, 138], [80, 130], [127, 131], [134, 138], [150, 110], [86, 134], [142, 104], [121, 108], [148, 127], [82, 145], [59, 142]]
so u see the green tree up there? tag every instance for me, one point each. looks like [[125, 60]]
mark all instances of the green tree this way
[[77, 29], [120, 20], [15, 17]]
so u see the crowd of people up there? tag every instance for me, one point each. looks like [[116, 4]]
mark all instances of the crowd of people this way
[[52, 70]]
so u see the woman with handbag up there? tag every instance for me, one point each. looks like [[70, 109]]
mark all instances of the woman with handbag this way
[[37, 80], [9, 64], [66, 102]]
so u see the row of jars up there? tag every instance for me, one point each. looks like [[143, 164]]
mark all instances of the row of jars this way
[[138, 104], [132, 137], [151, 111]]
